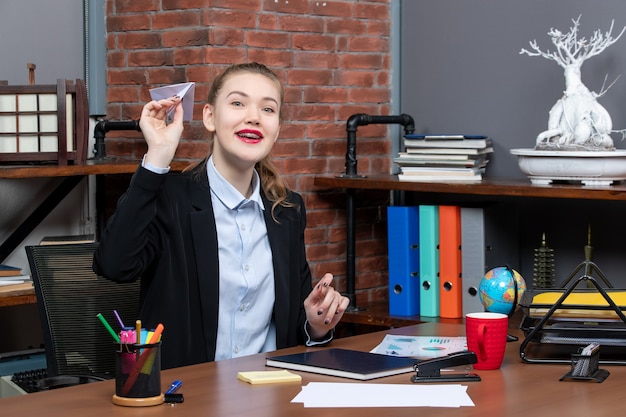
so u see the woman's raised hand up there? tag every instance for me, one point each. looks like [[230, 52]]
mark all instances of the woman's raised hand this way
[[162, 137]]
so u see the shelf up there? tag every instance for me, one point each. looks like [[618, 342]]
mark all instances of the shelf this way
[[72, 175], [488, 187], [500, 188], [92, 167], [377, 314], [13, 298]]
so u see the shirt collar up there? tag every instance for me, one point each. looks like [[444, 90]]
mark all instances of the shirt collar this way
[[229, 195]]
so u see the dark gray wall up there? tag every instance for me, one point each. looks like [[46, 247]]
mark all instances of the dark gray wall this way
[[461, 71], [46, 33]]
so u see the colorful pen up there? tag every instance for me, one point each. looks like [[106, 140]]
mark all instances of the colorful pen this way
[[119, 320], [108, 327], [174, 387], [138, 332]]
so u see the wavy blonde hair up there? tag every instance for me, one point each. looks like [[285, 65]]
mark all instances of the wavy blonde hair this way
[[272, 184]]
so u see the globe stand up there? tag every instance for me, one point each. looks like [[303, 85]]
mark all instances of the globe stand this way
[[510, 337]]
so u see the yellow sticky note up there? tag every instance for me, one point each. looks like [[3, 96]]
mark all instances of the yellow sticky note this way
[[268, 377]]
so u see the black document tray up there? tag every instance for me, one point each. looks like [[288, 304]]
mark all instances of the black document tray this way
[[555, 331]]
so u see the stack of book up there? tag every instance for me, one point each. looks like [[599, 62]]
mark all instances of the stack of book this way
[[444, 158], [12, 279]]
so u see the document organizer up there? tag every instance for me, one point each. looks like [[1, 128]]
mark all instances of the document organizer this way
[[44, 123], [558, 321]]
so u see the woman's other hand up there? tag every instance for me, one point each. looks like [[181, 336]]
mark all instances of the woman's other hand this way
[[324, 307]]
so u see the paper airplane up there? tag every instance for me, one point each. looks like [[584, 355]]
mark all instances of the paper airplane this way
[[184, 90]]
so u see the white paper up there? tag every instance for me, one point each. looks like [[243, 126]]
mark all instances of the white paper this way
[[184, 90], [423, 347], [322, 394]]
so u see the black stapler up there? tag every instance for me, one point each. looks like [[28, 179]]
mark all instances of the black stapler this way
[[430, 370]]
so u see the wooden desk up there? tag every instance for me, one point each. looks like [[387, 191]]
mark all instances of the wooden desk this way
[[212, 389]]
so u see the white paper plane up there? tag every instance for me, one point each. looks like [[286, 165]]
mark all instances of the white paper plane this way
[[184, 90]]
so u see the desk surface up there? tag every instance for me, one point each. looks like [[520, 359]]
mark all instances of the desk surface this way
[[212, 389]]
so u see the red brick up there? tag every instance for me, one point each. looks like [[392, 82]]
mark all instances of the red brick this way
[[346, 26], [175, 19], [126, 77], [273, 58], [189, 56], [368, 44], [316, 59], [297, 23], [271, 40], [226, 36], [252, 5], [225, 55], [230, 18], [310, 77], [313, 42], [182, 38], [367, 10], [291, 6], [129, 6], [183, 4], [150, 58], [116, 59], [332, 8], [139, 40], [325, 95], [128, 23]]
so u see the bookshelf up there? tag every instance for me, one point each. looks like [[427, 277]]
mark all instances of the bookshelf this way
[[496, 189], [72, 175]]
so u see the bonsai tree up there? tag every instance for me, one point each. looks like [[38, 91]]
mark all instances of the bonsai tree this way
[[577, 121]]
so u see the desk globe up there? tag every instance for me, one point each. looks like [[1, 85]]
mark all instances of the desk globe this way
[[501, 289]]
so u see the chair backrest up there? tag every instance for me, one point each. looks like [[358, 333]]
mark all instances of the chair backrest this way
[[69, 297]]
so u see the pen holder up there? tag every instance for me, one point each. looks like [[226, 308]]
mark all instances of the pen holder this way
[[138, 375], [585, 368]]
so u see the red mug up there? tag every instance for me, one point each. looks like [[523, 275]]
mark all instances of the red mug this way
[[486, 336]]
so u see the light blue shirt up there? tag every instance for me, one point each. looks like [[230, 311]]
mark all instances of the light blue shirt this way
[[246, 299], [247, 296]]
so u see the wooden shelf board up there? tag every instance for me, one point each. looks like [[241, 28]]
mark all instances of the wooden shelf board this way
[[377, 314], [92, 167], [488, 187], [12, 298]]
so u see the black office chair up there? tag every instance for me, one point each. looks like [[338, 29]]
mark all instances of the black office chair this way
[[79, 349]]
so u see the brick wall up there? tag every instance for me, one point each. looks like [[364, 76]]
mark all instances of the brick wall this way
[[334, 60]]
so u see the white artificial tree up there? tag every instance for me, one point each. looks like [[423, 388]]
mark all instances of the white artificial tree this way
[[577, 121]]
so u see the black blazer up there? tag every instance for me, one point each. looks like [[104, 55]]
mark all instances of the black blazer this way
[[163, 232]]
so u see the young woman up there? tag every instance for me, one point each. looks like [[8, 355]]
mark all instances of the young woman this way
[[220, 248]]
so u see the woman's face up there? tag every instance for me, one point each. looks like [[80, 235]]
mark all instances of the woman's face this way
[[245, 120]]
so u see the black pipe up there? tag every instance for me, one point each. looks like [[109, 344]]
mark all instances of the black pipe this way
[[104, 126], [361, 119], [354, 122]]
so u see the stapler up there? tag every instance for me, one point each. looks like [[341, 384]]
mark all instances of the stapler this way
[[430, 370]]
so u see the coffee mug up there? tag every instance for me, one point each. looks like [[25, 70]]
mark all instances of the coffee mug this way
[[486, 336]]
